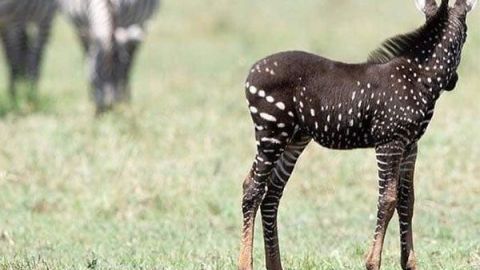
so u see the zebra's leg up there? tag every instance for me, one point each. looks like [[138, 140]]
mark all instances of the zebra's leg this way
[[389, 157], [83, 36], [35, 55], [405, 207], [270, 147], [125, 55], [83, 32], [269, 207], [132, 49], [9, 55], [128, 40], [15, 43]]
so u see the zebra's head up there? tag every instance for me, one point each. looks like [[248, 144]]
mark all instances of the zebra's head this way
[[102, 77], [448, 35], [459, 10], [430, 7]]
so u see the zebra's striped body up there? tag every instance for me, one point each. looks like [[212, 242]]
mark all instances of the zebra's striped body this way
[[24, 48], [22, 11], [110, 32], [386, 103], [133, 12]]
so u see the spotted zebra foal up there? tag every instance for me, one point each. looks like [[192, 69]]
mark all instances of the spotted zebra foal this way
[[385, 103]]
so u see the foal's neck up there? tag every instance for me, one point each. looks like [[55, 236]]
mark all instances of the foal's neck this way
[[435, 57]]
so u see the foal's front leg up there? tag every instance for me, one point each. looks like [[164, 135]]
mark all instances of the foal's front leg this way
[[405, 207], [389, 157]]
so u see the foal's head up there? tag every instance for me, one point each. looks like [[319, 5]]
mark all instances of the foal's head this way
[[433, 51], [450, 30], [430, 7], [454, 17]]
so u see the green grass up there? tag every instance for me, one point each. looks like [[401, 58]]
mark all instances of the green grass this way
[[157, 184]]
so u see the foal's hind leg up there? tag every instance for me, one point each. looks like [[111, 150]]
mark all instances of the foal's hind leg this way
[[254, 187], [405, 207], [274, 129], [269, 207], [389, 157]]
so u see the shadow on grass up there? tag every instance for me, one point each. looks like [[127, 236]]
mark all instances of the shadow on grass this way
[[25, 106], [123, 116]]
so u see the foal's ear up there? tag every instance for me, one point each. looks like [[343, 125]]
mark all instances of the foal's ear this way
[[427, 6], [468, 5], [471, 4]]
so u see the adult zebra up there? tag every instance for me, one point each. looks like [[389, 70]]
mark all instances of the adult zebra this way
[[24, 30], [110, 32]]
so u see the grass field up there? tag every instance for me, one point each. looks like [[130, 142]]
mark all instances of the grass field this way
[[157, 184]]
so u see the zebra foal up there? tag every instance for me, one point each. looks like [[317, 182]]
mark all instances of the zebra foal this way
[[385, 104], [25, 30], [110, 32]]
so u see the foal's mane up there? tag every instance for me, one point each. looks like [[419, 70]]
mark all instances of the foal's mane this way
[[402, 44]]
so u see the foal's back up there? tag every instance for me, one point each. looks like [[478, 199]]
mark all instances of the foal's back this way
[[298, 68]]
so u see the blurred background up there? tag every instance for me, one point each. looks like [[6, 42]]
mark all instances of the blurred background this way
[[157, 184]]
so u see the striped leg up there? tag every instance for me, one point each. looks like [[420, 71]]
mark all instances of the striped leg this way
[[83, 36], [132, 52], [126, 57], [389, 157], [405, 207], [36, 54], [269, 207], [15, 42], [269, 150]]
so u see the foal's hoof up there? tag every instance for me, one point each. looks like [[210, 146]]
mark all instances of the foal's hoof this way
[[411, 263], [242, 265], [410, 267], [372, 264]]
